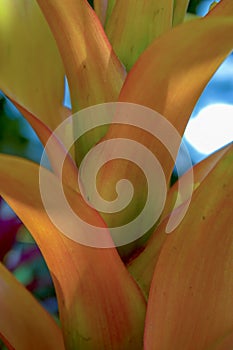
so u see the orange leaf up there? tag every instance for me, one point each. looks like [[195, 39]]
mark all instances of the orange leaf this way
[[172, 73], [24, 323], [200, 171], [190, 300], [143, 265], [223, 8], [31, 70], [225, 343], [55, 148], [94, 73], [100, 305]]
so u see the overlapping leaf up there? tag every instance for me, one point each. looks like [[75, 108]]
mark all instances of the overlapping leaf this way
[[190, 299], [94, 73], [200, 171], [142, 266], [173, 72], [100, 305], [179, 11], [169, 78]]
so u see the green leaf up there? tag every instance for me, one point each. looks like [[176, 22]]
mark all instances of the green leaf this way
[[100, 305], [24, 324], [179, 11], [133, 25], [31, 70], [100, 7], [111, 4], [190, 299]]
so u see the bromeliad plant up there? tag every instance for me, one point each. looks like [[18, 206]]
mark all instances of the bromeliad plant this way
[[172, 291]]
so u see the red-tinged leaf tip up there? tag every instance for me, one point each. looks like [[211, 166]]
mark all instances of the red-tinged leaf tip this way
[[100, 305], [190, 299], [24, 324]]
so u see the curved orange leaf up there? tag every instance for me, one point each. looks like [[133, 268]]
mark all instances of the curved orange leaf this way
[[190, 299], [100, 305], [55, 149], [200, 171], [24, 323], [31, 70], [172, 73]]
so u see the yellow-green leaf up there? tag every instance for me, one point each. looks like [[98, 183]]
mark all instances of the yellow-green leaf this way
[[190, 300], [100, 7], [24, 323], [179, 11], [133, 25], [31, 70], [100, 305], [111, 4]]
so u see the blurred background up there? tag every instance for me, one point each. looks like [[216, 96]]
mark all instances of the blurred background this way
[[210, 128]]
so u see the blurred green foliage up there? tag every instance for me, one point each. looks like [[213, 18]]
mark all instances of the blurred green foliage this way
[[12, 140]]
